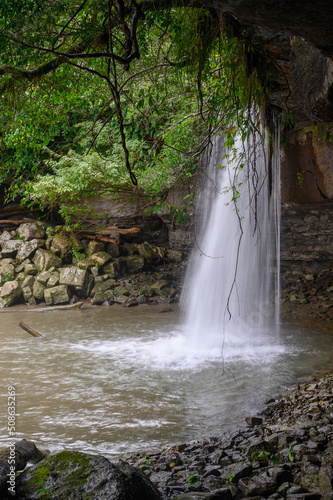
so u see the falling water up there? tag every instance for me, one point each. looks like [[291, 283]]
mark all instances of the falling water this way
[[231, 289]]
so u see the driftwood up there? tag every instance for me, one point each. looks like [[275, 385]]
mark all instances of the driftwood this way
[[77, 305], [107, 232], [50, 308], [30, 330], [21, 452], [10, 211], [15, 222], [95, 237]]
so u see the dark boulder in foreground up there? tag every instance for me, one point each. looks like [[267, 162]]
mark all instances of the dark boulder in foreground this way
[[73, 475]]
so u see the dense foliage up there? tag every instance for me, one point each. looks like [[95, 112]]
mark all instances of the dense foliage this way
[[103, 97]]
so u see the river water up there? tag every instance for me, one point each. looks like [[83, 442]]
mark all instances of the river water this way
[[111, 380]]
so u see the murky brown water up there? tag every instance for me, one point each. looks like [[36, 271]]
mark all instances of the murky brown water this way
[[114, 380]]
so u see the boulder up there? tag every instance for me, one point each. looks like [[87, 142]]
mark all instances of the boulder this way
[[7, 273], [43, 277], [28, 295], [10, 248], [94, 247], [112, 269], [113, 249], [60, 246], [121, 290], [57, 295], [86, 264], [32, 230], [72, 475], [5, 236], [131, 249], [135, 264], [30, 269], [28, 282], [54, 279], [76, 243], [26, 250], [77, 278], [101, 258], [38, 290], [10, 293], [24, 452], [103, 286], [149, 253], [101, 297], [174, 256], [44, 260]]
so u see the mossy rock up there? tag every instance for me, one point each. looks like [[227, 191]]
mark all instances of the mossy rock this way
[[73, 475]]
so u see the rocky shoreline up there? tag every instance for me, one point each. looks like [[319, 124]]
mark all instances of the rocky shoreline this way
[[287, 452], [36, 268]]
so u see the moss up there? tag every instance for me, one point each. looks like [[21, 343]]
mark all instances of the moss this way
[[40, 475]]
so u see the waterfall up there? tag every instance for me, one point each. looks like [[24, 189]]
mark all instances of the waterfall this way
[[232, 283]]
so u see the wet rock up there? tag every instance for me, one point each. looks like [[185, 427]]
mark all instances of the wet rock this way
[[43, 277], [44, 260], [76, 243], [28, 295], [234, 472], [30, 268], [5, 236], [7, 273], [101, 297], [258, 485], [319, 482], [149, 253], [32, 230], [112, 269], [26, 250], [75, 475], [76, 278], [174, 256], [130, 303], [135, 264], [57, 295], [254, 420], [10, 248], [95, 246], [121, 290], [130, 249], [24, 452], [60, 246], [101, 258], [53, 280], [102, 286], [10, 294], [113, 249], [38, 290], [86, 264]]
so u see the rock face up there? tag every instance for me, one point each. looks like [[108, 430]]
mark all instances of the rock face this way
[[75, 475], [307, 259], [303, 18]]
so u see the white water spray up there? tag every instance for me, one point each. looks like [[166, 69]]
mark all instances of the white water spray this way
[[232, 286]]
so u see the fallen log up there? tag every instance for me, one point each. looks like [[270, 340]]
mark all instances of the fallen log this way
[[95, 237], [16, 222], [21, 453], [30, 330], [42, 309]]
